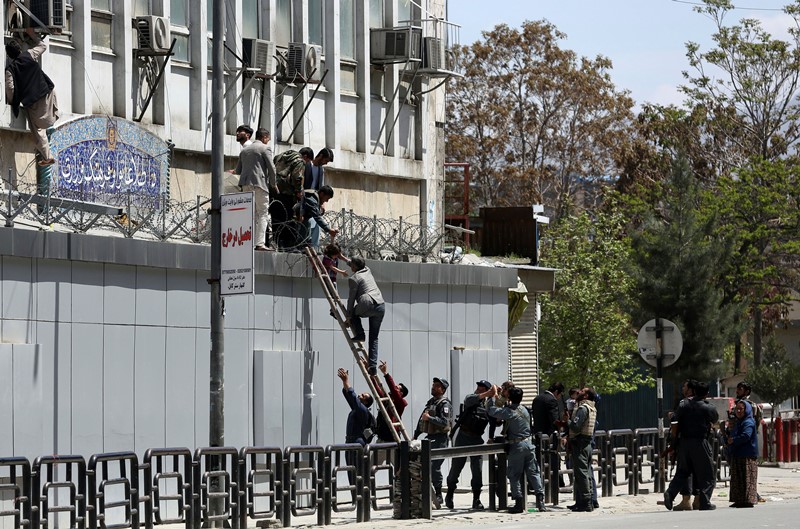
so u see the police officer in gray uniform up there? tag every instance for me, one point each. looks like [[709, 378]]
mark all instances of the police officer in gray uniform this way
[[435, 424], [521, 455]]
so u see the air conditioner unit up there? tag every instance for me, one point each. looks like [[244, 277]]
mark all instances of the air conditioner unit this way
[[50, 12], [433, 57], [259, 56], [154, 34], [304, 62], [394, 45]]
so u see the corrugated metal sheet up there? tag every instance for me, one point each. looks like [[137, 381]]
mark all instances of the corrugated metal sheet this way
[[524, 351]]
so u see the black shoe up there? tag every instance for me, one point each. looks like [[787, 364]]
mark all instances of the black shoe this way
[[668, 501], [595, 505], [437, 500], [540, 504], [478, 506], [373, 370], [519, 506], [709, 507], [583, 508], [359, 338], [448, 500], [572, 507]]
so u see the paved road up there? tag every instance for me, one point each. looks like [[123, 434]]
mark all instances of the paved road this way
[[780, 487]]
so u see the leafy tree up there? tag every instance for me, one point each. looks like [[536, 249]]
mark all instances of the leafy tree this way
[[759, 210], [536, 123], [586, 337], [677, 269], [775, 380]]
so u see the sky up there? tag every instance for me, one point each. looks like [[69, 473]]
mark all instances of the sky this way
[[645, 39]]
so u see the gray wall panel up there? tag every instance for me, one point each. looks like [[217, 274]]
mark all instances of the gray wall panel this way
[[238, 311], [472, 340], [151, 296], [292, 397], [437, 308], [269, 390], [321, 318], [325, 390], [283, 313], [401, 307], [53, 290], [87, 388], [487, 311], [118, 394], [180, 392], [203, 300], [202, 386], [462, 376], [500, 343], [7, 399], [18, 289], [119, 295], [500, 309], [310, 433], [181, 298], [421, 374], [57, 337], [486, 340], [87, 292], [473, 308], [18, 331], [418, 310], [458, 311], [149, 372], [262, 339], [237, 390]]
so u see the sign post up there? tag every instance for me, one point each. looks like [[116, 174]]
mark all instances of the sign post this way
[[660, 345]]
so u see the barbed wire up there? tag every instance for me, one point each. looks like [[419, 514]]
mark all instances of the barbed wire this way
[[159, 217]]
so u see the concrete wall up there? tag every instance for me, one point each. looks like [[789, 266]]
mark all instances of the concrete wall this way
[[104, 344]]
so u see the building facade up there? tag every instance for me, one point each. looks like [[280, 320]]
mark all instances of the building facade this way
[[316, 82]]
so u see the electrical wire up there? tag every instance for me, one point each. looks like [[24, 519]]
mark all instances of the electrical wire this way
[[742, 8]]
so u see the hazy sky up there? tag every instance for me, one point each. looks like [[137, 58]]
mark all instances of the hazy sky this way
[[645, 39]]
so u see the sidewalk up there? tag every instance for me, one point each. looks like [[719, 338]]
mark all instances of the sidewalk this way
[[774, 485]]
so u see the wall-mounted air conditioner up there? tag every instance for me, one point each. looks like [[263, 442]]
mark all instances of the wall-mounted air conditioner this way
[[394, 45], [433, 57], [154, 33], [50, 12], [304, 62], [259, 56]]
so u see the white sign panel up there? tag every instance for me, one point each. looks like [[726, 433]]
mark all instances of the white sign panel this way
[[669, 347], [237, 244]]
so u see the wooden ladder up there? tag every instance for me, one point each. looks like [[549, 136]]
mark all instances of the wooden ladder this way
[[376, 387]]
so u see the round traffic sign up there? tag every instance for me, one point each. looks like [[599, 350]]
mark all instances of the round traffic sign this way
[[669, 346]]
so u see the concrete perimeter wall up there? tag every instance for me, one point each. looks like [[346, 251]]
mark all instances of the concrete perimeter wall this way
[[104, 344]]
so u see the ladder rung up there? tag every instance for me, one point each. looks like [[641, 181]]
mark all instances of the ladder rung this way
[[386, 399]]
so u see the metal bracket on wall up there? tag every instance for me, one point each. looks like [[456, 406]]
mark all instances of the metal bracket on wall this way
[[148, 57], [305, 108], [391, 105]]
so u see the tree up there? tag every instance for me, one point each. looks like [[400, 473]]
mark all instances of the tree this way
[[585, 336], [678, 273], [536, 123], [750, 79], [775, 380], [759, 212]]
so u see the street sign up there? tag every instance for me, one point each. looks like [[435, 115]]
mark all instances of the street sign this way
[[669, 346], [237, 244]]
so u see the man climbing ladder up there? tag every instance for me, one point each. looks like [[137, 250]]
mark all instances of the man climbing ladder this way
[[378, 391]]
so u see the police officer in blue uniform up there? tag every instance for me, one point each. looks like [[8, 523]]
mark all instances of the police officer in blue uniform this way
[[521, 454], [435, 424]]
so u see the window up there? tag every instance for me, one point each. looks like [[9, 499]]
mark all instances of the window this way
[[376, 13], [179, 19], [66, 31], [347, 29], [101, 25], [376, 82], [316, 33], [283, 33], [404, 10], [250, 19], [141, 8]]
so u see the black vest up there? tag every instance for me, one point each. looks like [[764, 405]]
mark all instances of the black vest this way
[[30, 82]]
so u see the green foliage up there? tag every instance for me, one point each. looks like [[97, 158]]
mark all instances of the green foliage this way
[[777, 378], [677, 266], [585, 335]]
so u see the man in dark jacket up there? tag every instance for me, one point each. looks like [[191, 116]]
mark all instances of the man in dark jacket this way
[[314, 176], [359, 420], [471, 424], [29, 87], [548, 418], [312, 211]]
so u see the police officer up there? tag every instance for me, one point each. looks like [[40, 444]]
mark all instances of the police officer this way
[[521, 455], [435, 424], [471, 424], [581, 431], [694, 418]]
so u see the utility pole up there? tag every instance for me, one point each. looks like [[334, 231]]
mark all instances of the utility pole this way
[[216, 421]]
